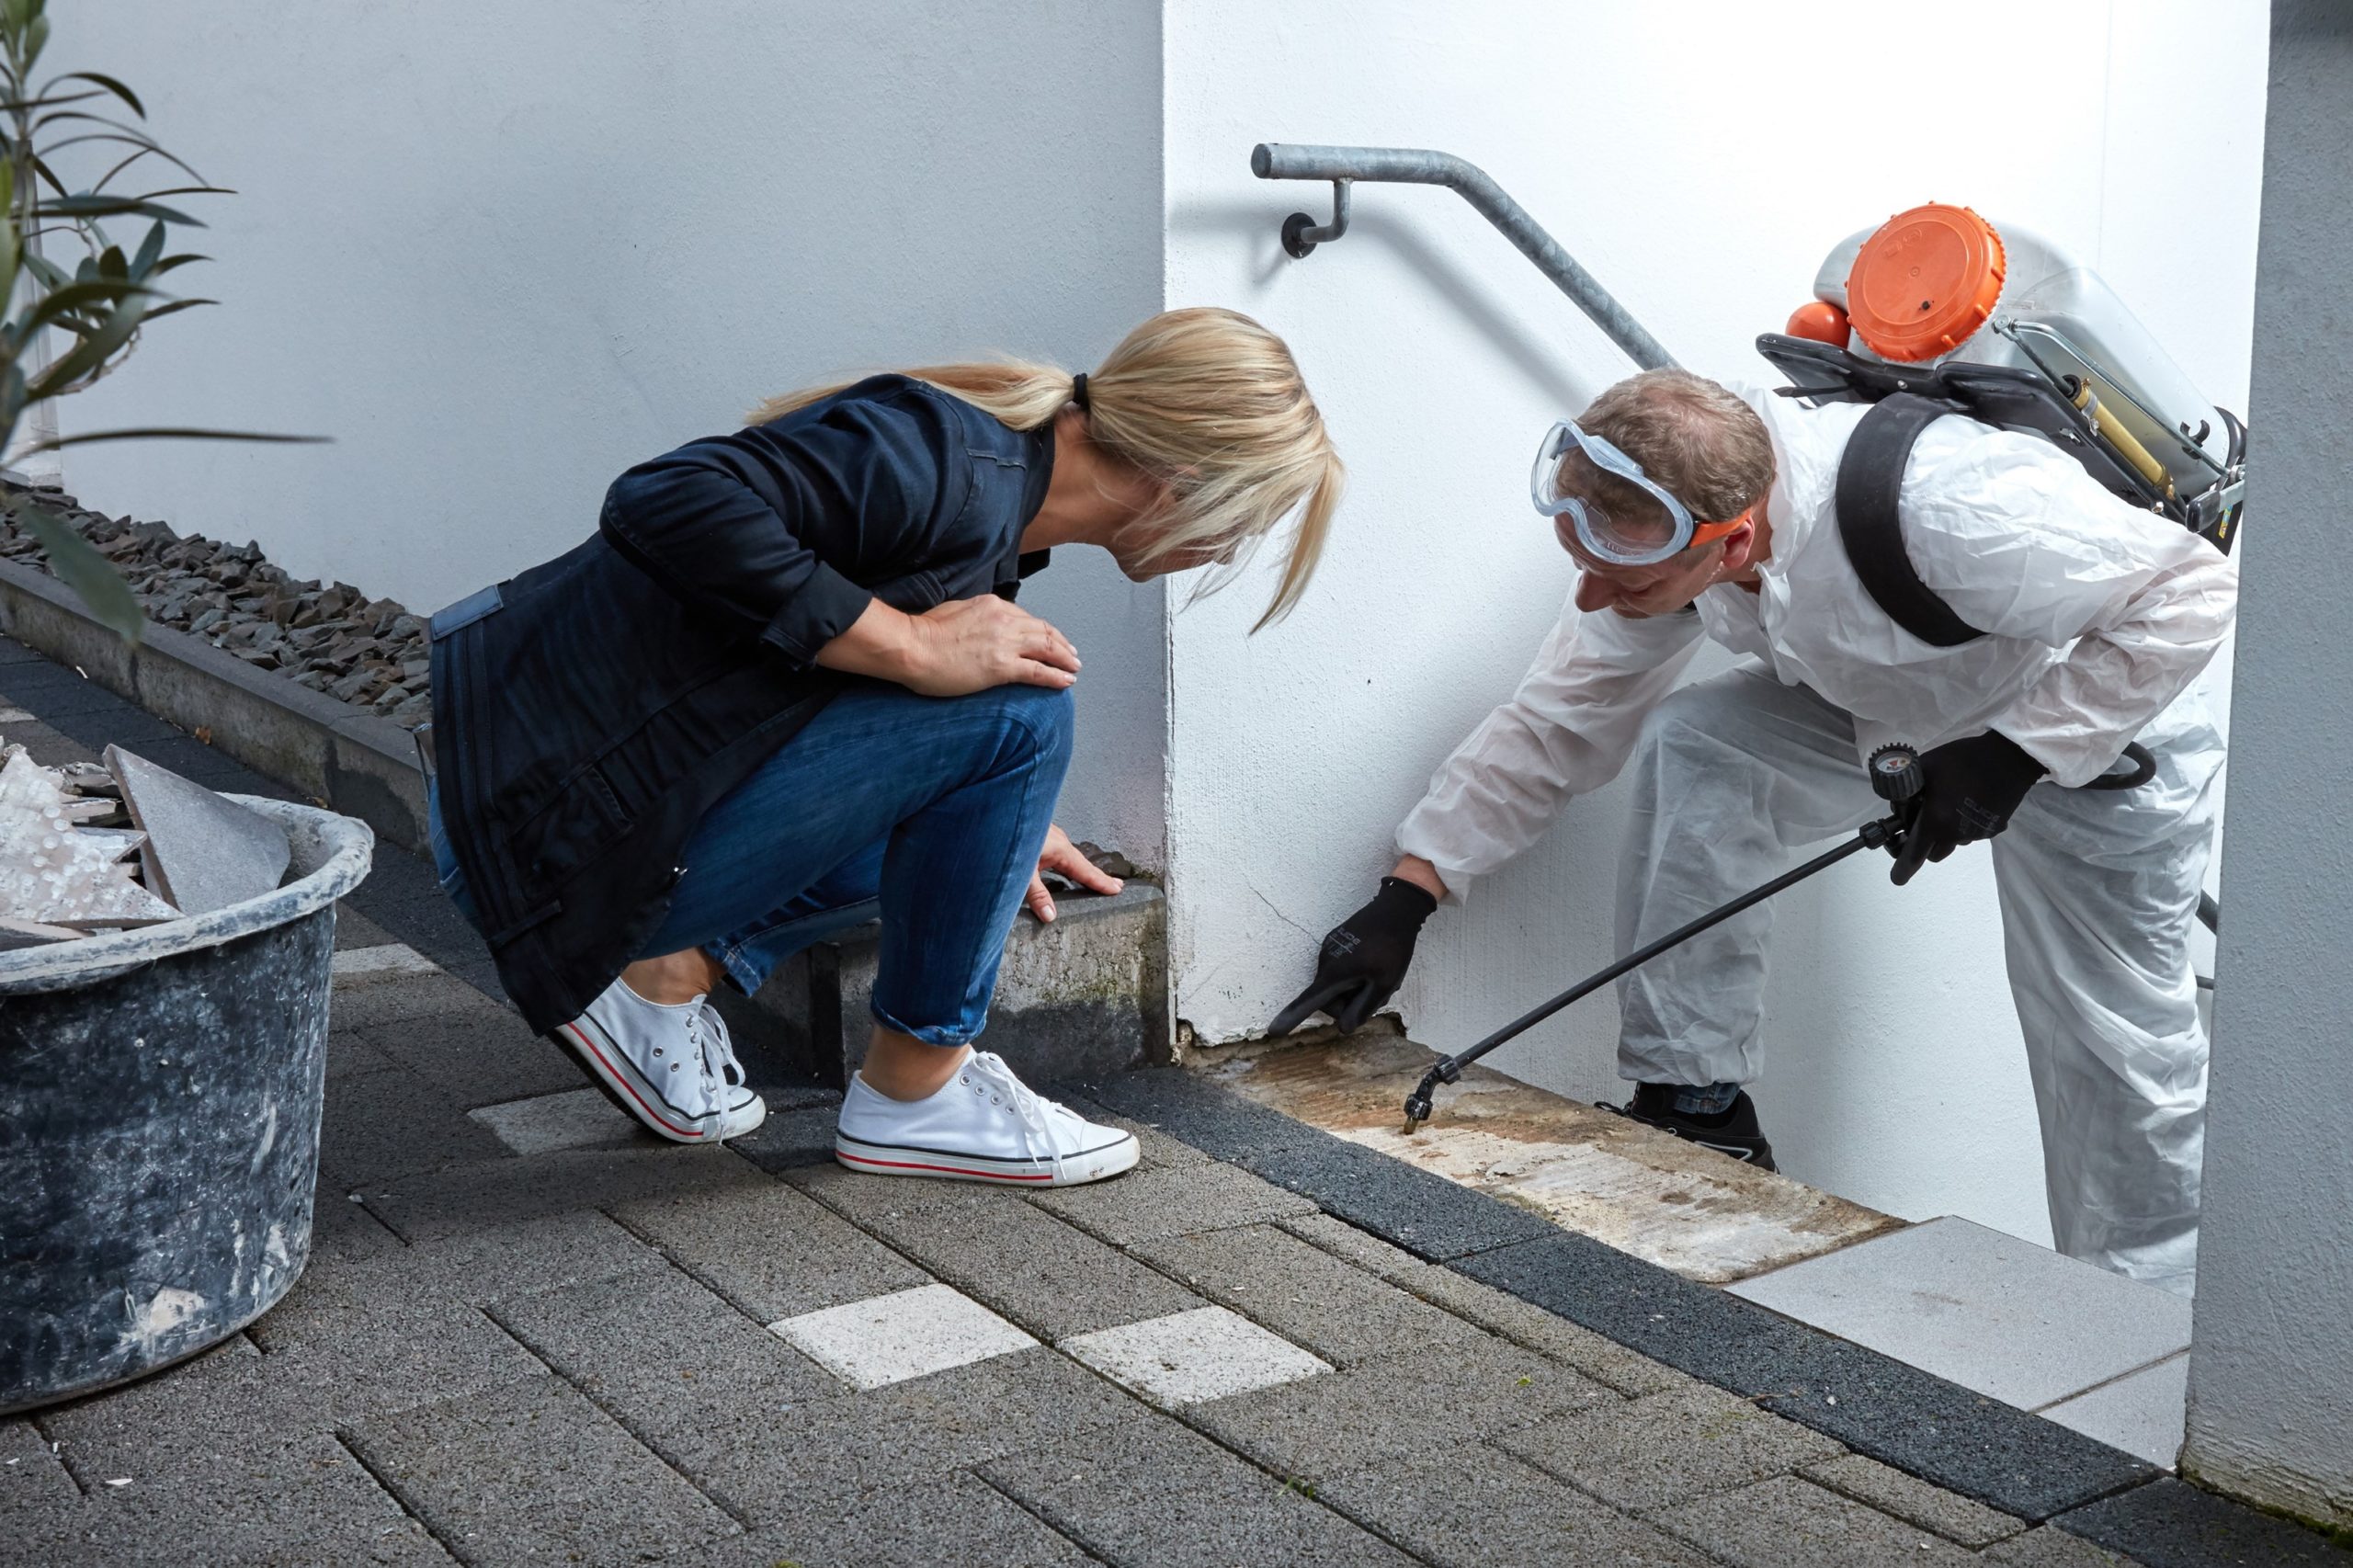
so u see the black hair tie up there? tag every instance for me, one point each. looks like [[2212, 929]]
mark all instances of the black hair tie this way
[[1078, 391]]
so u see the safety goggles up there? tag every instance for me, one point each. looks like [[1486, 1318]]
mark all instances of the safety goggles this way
[[1642, 527]]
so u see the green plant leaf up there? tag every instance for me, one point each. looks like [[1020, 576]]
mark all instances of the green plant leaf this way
[[94, 205], [88, 353], [170, 433], [81, 568], [150, 249], [51, 275], [77, 297], [110, 85]]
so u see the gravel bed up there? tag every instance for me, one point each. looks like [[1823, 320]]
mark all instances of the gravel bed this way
[[371, 653]]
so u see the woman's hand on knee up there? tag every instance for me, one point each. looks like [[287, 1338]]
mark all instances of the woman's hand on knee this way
[[955, 649], [1060, 857]]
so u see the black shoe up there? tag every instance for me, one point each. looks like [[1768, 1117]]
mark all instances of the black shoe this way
[[1733, 1130]]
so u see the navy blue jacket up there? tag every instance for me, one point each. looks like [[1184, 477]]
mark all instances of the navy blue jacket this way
[[588, 712]]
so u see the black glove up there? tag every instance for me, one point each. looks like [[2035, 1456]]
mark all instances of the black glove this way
[[1363, 958], [1971, 787]]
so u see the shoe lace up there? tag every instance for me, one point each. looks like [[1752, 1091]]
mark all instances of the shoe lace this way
[[1029, 1108], [707, 1031]]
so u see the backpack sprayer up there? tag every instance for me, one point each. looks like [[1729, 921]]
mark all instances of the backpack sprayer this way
[[1939, 311]]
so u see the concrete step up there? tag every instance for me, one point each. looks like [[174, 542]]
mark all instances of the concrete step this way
[[1706, 1217], [2091, 1351], [1081, 997]]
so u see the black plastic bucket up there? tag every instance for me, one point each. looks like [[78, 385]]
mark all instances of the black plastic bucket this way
[[160, 1092]]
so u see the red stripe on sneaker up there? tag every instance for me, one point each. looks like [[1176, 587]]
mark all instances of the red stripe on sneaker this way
[[615, 1075], [849, 1158]]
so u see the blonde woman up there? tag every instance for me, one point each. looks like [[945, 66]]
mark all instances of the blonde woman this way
[[785, 686]]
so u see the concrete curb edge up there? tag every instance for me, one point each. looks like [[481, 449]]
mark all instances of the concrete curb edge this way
[[361, 765]]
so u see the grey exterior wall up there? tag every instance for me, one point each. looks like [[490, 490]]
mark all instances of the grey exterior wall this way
[[2272, 1362]]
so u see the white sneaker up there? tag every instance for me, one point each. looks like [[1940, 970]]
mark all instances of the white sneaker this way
[[669, 1065], [985, 1125]]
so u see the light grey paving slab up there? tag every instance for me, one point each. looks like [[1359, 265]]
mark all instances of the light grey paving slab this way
[[2141, 1413], [908, 1333], [1914, 1501], [576, 1118], [203, 852], [1986, 1311], [373, 965], [1790, 1523], [1187, 1358]]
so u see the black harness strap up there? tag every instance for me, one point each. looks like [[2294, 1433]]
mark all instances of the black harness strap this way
[[1871, 475]]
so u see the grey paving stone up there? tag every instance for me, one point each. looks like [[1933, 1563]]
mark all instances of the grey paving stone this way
[[1668, 1448], [416, 997], [1476, 1507], [378, 1125], [532, 1472], [2170, 1524], [571, 1118], [1790, 1523], [1052, 1280], [481, 1053], [657, 1351], [1981, 1308], [30, 1476], [284, 1499], [341, 1230], [2047, 1545], [354, 930], [1309, 1297], [1497, 1311], [1187, 1106], [1145, 1205], [348, 1056], [955, 1519], [496, 1259], [1417, 1209], [772, 1465], [1445, 1396], [1908, 1498], [1922, 1425], [1156, 1150], [1148, 1493], [771, 1251], [469, 1198], [793, 1140]]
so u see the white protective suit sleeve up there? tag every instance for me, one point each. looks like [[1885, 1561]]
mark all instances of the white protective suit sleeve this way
[[2021, 542], [1567, 730]]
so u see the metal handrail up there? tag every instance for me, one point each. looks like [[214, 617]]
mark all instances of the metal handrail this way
[[1413, 165]]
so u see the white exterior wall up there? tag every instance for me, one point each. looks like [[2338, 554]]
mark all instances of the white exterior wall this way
[[1679, 155], [502, 252]]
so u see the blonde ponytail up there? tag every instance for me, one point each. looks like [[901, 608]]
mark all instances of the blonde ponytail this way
[[1205, 400]]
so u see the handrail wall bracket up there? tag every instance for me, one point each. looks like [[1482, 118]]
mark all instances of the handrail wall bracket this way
[[1413, 165]]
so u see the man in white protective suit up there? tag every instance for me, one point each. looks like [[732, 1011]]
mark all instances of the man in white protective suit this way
[[1696, 512]]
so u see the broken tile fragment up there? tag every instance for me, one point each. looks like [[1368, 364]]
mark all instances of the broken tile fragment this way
[[51, 873], [203, 852], [33, 933]]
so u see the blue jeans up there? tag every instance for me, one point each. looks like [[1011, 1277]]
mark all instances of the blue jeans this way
[[926, 811]]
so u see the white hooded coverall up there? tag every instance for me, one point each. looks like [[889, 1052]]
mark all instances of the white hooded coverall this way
[[2099, 617]]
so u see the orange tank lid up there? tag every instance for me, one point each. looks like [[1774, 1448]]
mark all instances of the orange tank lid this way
[[1819, 319], [1924, 282]]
